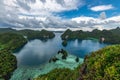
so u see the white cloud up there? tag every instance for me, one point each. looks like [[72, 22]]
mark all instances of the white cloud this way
[[39, 14], [38, 6], [34, 13], [101, 7], [98, 23]]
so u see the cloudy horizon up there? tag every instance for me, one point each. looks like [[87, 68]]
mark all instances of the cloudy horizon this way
[[79, 14]]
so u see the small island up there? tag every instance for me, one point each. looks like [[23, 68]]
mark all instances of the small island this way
[[62, 54], [31, 34]]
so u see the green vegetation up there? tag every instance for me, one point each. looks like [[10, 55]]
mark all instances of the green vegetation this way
[[7, 64], [54, 59], [11, 41], [116, 31], [100, 65], [77, 59], [30, 34], [3, 30], [107, 36], [64, 53], [64, 56], [43, 34], [60, 74]]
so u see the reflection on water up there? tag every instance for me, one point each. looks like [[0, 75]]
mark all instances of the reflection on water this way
[[83, 47], [75, 43], [38, 52]]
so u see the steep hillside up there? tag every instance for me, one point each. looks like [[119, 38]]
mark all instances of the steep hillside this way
[[100, 65], [8, 64]]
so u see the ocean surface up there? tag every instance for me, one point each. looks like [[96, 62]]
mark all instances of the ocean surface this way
[[34, 56]]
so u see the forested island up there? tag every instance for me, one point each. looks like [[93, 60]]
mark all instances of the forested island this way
[[10, 40], [30, 34], [107, 36], [103, 64]]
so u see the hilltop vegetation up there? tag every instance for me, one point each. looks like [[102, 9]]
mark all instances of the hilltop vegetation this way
[[110, 36], [43, 34], [100, 65], [11, 41], [30, 34], [3, 30]]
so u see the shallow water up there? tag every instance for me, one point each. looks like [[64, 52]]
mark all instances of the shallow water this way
[[34, 56]]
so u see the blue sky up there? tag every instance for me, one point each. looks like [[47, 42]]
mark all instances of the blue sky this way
[[85, 9], [80, 14]]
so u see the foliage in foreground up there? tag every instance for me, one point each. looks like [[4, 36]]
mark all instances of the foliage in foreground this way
[[100, 65], [11, 41], [7, 64]]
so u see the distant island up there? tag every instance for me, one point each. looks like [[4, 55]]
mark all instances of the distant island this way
[[107, 36], [30, 34]]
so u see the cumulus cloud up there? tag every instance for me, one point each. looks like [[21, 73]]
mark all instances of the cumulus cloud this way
[[30, 13], [40, 14], [98, 23], [101, 7], [38, 6]]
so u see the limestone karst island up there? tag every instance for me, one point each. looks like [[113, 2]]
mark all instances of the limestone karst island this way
[[59, 40]]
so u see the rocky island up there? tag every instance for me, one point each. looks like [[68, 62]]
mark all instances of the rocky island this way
[[107, 36]]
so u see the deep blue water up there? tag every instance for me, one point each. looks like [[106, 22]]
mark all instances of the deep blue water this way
[[38, 52]]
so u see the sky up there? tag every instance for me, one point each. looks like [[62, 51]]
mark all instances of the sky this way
[[81, 14]]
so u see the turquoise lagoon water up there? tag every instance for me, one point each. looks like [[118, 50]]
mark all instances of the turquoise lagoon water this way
[[34, 56]]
